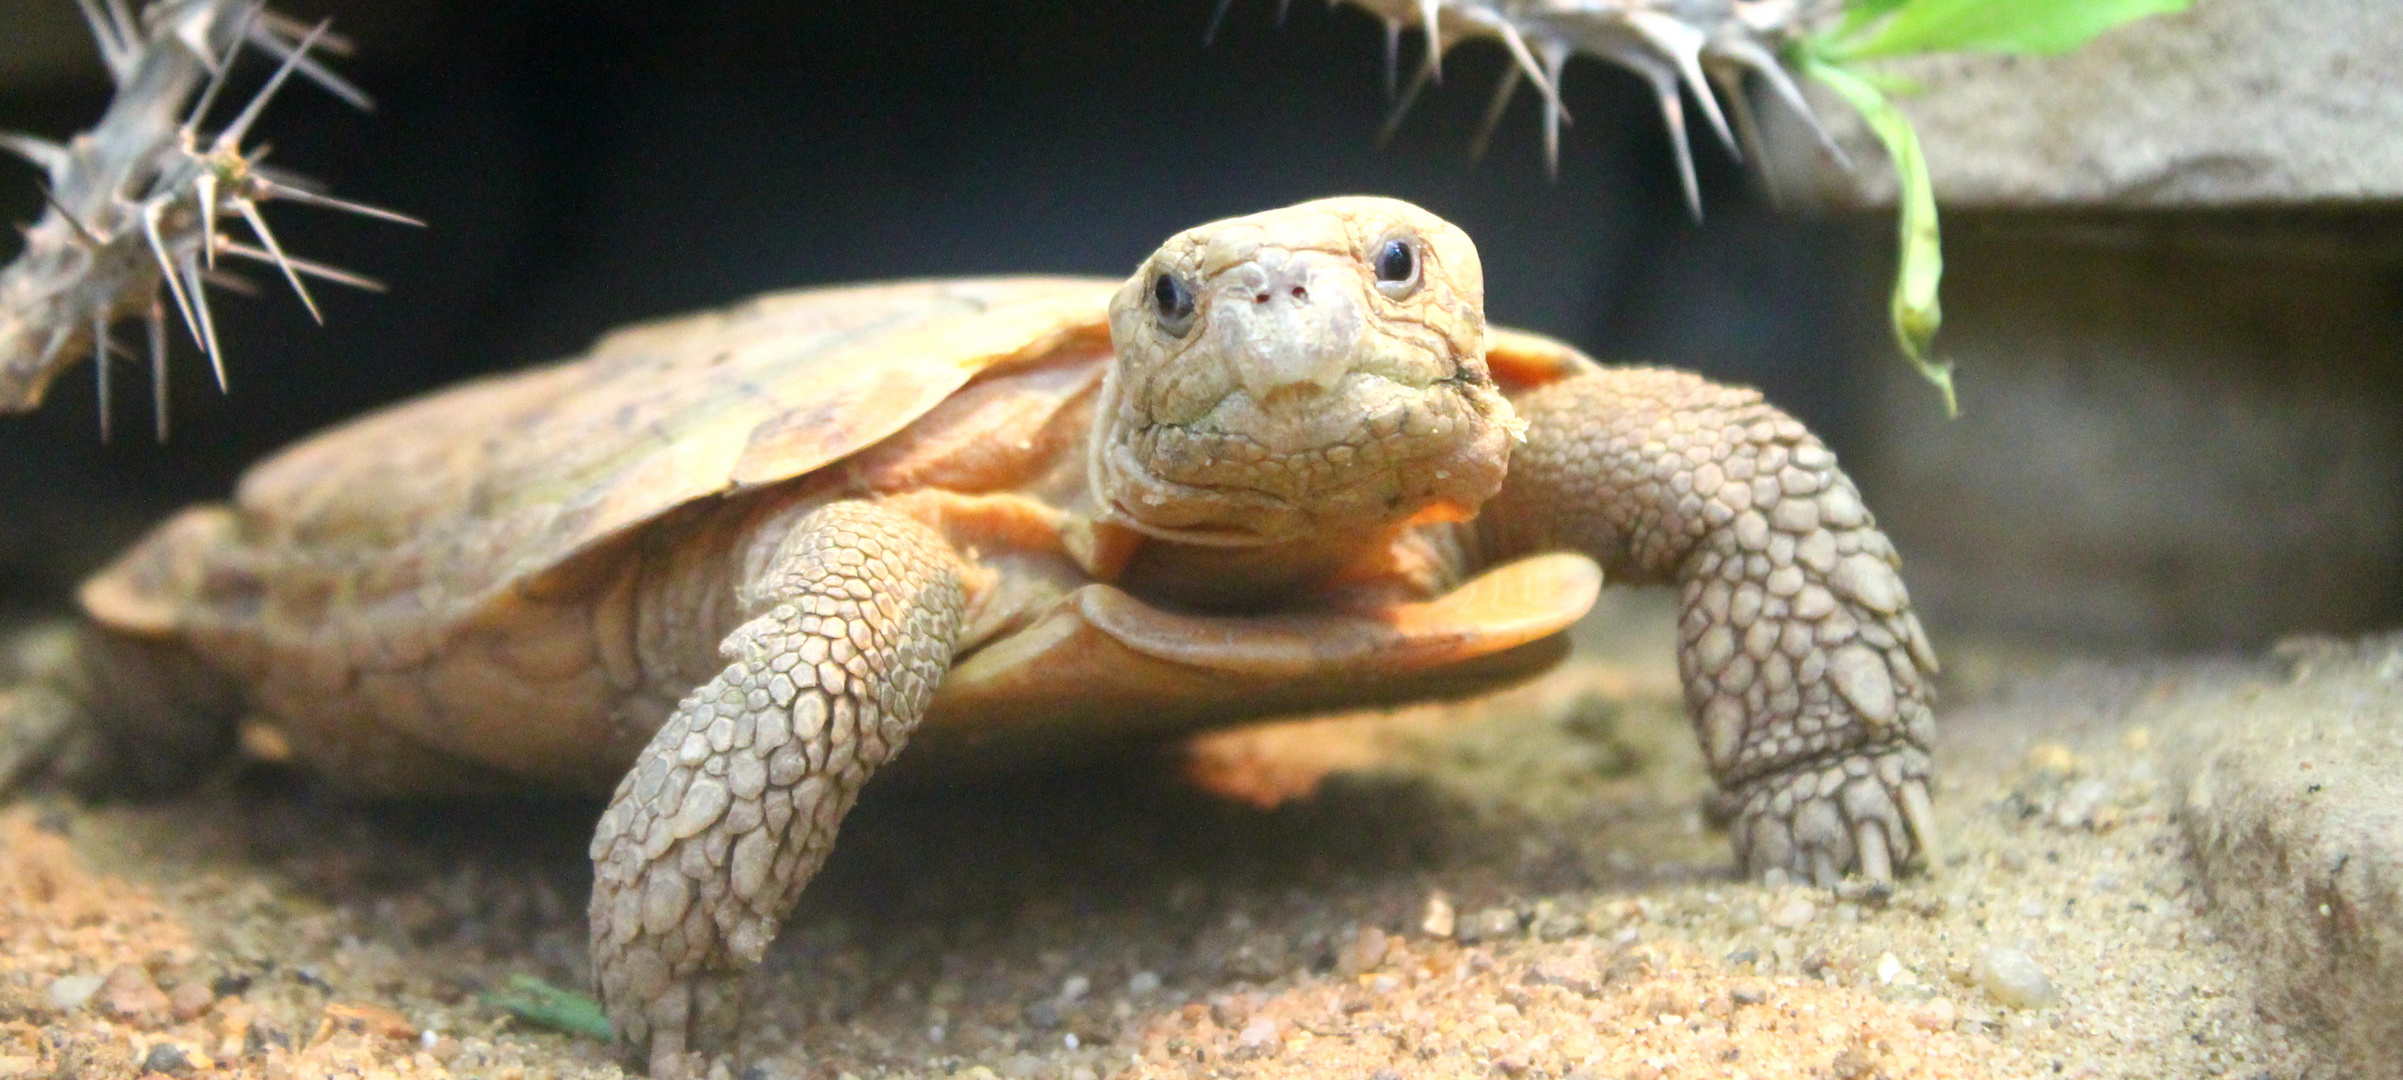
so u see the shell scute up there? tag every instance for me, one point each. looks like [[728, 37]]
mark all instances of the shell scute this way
[[426, 511]]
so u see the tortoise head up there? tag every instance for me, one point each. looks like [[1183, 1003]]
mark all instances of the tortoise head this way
[[1314, 369]]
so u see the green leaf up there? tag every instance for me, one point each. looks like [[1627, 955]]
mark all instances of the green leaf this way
[[2034, 27], [1860, 13], [543, 1005], [1916, 311]]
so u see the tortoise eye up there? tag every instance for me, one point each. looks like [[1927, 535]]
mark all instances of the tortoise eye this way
[[1173, 303], [1397, 268]]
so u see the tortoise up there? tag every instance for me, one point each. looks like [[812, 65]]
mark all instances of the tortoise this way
[[725, 566]]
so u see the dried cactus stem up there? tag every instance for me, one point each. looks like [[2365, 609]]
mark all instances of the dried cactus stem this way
[[138, 202], [1706, 48]]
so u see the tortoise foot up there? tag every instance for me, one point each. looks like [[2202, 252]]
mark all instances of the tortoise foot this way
[[733, 805], [1866, 813]]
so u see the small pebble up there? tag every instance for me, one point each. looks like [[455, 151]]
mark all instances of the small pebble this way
[[1574, 973], [1045, 1014], [191, 999], [69, 992], [1793, 913], [1935, 1015], [1262, 1031], [2077, 807], [1075, 989], [1889, 968], [1363, 953], [166, 1058], [2012, 977], [1143, 982], [1491, 924], [1874, 894], [128, 996], [1438, 921]]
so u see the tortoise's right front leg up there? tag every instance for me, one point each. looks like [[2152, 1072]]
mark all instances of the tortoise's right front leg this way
[[734, 803]]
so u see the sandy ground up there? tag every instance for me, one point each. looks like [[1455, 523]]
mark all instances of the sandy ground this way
[[1525, 886]]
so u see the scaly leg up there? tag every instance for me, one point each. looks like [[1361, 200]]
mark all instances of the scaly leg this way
[[734, 803], [1806, 674], [102, 711]]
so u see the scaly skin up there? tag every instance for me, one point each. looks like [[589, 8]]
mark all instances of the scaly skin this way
[[735, 802], [1805, 671]]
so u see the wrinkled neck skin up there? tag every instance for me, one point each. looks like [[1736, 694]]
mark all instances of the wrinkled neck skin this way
[[1254, 578], [1305, 413]]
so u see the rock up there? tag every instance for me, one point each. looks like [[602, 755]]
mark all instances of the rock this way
[[68, 993], [1793, 913], [1142, 982], [2290, 802], [1576, 973], [2010, 976], [129, 997], [166, 1058], [1937, 1014], [370, 1019], [2232, 103], [1438, 922], [1490, 924], [1552, 924], [1362, 953], [1044, 1014], [191, 999]]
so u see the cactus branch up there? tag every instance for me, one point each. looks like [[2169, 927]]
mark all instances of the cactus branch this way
[[137, 204]]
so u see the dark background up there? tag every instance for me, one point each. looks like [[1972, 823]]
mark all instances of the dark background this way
[[585, 165]]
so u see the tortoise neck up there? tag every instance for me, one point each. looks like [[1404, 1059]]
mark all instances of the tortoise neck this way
[[1266, 577]]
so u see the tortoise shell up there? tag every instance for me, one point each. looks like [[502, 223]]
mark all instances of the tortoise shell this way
[[417, 597]]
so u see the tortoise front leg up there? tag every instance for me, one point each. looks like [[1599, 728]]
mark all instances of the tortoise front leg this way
[[1806, 675], [734, 803]]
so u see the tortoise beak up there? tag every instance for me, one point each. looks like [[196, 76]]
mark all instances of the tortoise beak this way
[[1286, 322]]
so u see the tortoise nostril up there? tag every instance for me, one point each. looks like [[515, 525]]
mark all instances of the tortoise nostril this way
[[1261, 298], [1301, 295]]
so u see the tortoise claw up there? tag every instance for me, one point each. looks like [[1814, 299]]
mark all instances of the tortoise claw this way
[[1866, 816]]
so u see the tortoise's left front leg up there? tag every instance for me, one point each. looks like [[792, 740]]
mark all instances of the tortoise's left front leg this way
[[1806, 675]]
